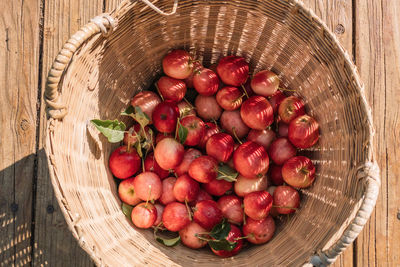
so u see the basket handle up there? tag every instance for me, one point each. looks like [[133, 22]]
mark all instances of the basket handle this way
[[103, 23], [159, 11], [370, 183]]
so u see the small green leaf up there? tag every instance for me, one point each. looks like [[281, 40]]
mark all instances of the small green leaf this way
[[227, 173], [127, 210], [137, 114], [113, 130], [169, 242], [221, 230], [222, 244], [128, 112], [182, 133], [166, 240]]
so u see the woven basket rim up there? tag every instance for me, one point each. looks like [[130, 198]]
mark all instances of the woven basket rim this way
[[119, 12]]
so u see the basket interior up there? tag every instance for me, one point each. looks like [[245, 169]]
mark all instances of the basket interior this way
[[277, 35]]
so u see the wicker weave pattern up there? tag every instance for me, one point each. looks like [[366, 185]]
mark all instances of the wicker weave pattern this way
[[280, 35]]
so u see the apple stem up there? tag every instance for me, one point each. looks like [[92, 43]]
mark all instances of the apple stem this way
[[214, 121], [244, 237], [244, 217], [240, 97], [235, 135], [159, 226], [198, 235], [143, 167], [244, 90], [203, 233], [188, 210], [284, 207], [128, 147], [203, 238], [158, 91]]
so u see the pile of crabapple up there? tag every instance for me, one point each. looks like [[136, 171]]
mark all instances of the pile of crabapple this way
[[216, 169]]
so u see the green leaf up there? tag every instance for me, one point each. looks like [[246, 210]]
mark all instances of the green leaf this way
[[113, 130], [141, 117], [222, 244], [137, 114], [169, 242], [227, 173], [182, 133], [221, 230], [127, 210], [129, 111]]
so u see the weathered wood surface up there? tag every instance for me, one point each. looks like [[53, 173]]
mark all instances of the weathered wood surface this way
[[377, 53], [62, 19], [19, 60], [32, 228]]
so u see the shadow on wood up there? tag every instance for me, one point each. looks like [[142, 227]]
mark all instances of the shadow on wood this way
[[46, 240]]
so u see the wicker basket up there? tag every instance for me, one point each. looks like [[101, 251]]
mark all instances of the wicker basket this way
[[102, 66]]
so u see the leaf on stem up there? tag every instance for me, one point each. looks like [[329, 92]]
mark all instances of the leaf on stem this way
[[227, 173], [127, 210], [169, 242], [182, 132], [222, 244], [137, 114], [221, 230], [113, 130], [129, 111], [166, 241]]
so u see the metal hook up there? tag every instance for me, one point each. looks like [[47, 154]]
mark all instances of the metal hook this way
[[159, 11]]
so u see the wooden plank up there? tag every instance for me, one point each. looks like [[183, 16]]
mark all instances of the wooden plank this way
[[391, 44], [55, 245], [377, 55], [19, 57], [337, 14]]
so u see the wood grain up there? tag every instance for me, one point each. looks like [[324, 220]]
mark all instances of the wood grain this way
[[377, 55], [376, 42], [337, 14], [55, 244], [19, 57]]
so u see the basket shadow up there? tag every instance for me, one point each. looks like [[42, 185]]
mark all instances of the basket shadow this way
[[33, 229]]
